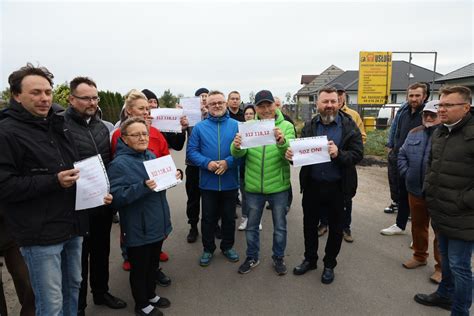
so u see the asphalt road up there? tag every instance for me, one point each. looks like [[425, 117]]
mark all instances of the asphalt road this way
[[370, 279]]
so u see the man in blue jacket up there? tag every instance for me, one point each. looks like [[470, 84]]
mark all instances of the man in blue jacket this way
[[209, 149], [412, 164]]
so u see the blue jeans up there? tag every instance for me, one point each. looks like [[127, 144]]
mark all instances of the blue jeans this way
[[55, 274], [255, 205], [457, 278]]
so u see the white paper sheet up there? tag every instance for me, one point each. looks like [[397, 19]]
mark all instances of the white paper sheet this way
[[257, 133], [309, 150], [191, 109], [93, 183], [163, 171], [167, 120]]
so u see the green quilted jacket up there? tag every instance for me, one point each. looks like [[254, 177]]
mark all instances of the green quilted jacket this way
[[266, 169]]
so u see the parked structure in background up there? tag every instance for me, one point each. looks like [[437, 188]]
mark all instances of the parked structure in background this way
[[462, 76]]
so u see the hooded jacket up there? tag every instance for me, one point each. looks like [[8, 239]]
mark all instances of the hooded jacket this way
[[210, 141], [144, 213], [34, 150], [266, 169]]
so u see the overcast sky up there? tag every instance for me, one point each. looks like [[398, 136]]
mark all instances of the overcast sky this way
[[244, 46]]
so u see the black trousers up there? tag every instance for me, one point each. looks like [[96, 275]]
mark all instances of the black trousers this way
[[215, 205], [194, 194], [403, 207], [95, 254], [145, 260], [392, 169], [315, 198]]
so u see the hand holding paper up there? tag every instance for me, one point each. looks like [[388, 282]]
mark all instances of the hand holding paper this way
[[259, 133], [67, 178], [92, 188], [162, 172]]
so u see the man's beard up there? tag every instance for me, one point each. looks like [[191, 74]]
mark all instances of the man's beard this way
[[328, 117]]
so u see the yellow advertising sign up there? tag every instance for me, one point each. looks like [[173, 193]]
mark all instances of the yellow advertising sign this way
[[375, 77]]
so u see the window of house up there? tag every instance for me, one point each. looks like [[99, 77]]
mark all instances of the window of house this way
[[393, 98]]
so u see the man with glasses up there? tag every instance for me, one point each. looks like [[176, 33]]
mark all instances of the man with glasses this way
[[209, 150], [412, 163], [92, 138], [408, 119], [328, 185], [449, 190]]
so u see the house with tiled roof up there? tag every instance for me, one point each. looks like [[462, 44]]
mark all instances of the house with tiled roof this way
[[314, 82], [462, 76]]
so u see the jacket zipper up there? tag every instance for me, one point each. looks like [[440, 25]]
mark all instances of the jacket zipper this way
[[263, 164], [219, 149]]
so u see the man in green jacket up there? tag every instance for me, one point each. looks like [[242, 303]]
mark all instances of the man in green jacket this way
[[267, 179], [449, 191]]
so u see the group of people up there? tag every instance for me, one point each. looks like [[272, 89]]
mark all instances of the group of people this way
[[53, 250]]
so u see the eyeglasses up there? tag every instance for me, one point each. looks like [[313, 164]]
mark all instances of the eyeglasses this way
[[220, 103], [449, 105], [138, 135], [88, 99], [432, 115]]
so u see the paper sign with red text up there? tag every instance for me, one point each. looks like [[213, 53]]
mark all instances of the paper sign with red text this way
[[257, 133], [167, 120], [93, 183], [309, 150], [163, 171]]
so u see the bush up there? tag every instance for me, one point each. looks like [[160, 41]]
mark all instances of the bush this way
[[375, 144]]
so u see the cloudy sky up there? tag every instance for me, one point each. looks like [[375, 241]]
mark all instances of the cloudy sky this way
[[235, 45]]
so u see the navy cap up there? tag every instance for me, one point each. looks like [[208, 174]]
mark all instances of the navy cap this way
[[201, 91], [338, 86], [262, 96], [149, 94]]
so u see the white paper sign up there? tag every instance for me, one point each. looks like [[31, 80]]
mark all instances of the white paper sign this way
[[192, 109], [309, 150], [167, 120], [93, 183], [257, 133], [163, 171]]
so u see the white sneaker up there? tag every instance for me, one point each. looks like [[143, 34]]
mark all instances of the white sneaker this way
[[243, 223], [260, 226], [392, 230]]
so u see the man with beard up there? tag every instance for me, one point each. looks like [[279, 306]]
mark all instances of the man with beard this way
[[409, 118], [328, 185]]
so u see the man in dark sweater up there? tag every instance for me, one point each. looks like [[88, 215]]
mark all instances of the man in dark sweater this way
[[409, 118]]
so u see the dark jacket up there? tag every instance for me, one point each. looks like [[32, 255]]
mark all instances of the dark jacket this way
[[34, 150], [449, 181], [350, 153], [144, 214], [175, 140], [413, 158], [91, 138]]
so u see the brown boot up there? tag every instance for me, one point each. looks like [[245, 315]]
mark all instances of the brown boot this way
[[412, 264], [436, 277]]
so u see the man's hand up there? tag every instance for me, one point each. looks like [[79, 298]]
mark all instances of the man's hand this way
[[222, 167], [108, 199], [289, 154], [237, 141], [151, 184], [67, 178], [184, 122], [213, 166], [332, 149], [279, 136]]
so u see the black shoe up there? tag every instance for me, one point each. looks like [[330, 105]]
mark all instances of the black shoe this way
[[279, 265], [268, 207], [433, 299], [163, 302], [193, 234], [162, 279], [304, 267], [218, 232], [328, 276], [392, 208], [110, 301], [155, 312]]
